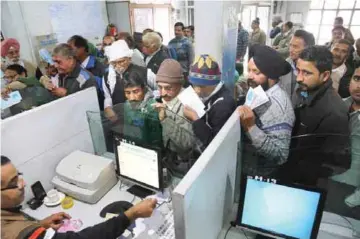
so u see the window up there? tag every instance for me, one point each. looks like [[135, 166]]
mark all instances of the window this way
[[189, 8], [325, 11]]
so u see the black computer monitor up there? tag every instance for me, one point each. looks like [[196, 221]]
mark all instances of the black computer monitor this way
[[140, 164], [277, 210]]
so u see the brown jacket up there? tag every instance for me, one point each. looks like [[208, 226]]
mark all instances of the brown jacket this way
[[15, 226]]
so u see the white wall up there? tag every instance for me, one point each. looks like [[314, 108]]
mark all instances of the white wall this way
[[297, 6], [24, 20]]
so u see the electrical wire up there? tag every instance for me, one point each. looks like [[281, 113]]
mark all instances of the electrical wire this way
[[244, 233], [227, 231]]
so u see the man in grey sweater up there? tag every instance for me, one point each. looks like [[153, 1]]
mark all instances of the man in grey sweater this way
[[267, 127]]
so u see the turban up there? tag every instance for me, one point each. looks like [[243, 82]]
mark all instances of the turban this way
[[7, 44], [270, 62]]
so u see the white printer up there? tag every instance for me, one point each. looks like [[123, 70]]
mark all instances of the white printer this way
[[85, 176]]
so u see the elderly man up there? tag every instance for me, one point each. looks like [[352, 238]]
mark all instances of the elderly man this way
[[219, 103], [71, 77], [88, 62], [154, 56], [267, 127], [10, 54], [341, 73], [15, 224], [119, 55], [177, 130], [299, 41]]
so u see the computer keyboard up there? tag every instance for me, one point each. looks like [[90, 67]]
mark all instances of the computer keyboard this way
[[166, 229]]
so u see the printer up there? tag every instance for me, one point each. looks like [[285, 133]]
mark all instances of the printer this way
[[85, 176]]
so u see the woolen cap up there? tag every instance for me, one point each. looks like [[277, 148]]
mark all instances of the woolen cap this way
[[205, 71], [269, 61], [170, 71]]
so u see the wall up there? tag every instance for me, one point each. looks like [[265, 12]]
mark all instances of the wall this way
[[24, 20], [297, 6], [119, 15]]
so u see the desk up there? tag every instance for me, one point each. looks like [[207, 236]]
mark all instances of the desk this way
[[326, 230], [89, 213]]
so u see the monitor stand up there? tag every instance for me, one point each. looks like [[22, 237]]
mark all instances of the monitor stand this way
[[140, 191]]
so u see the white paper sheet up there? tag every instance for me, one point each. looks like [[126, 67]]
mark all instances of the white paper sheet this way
[[189, 98], [256, 97], [14, 98]]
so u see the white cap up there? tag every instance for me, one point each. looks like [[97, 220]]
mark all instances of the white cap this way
[[117, 50]]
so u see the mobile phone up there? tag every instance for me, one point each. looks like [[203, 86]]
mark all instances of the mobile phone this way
[[159, 99], [38, 191]]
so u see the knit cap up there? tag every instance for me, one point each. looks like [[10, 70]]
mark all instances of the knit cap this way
[[205, 71], [170, 71]]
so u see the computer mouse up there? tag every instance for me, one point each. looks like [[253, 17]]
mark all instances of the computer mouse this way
[[116, 208]]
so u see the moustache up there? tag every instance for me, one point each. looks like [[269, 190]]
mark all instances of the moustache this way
[[252, 83]]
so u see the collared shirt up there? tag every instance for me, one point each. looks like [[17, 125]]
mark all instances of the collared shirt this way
[[337, 74], [85, 62], [147, 60]]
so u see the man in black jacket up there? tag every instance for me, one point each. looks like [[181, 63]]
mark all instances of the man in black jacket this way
[[71, 78], [14, 224], [321, 124], [219, 104], [152, 49], [88, 62]]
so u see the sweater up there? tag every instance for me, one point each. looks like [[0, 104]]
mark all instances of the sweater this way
[[181, 49]]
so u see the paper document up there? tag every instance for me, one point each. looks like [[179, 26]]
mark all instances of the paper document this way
[[256, 97], [189, 98], [14, 98]]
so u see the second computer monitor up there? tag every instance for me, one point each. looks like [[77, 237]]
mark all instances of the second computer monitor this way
[[288, 211]]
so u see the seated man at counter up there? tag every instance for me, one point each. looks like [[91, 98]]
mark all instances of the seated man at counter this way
[[14, 224], [268, 126], [219, 103], [177, 130], [71, 76], [139, 111]]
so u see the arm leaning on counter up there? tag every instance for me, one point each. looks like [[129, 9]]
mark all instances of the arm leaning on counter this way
[[110, 229]]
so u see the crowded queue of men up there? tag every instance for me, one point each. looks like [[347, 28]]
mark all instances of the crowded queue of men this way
[[312, 92]]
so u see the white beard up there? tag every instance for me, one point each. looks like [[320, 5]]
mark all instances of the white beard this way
[[7, 62]]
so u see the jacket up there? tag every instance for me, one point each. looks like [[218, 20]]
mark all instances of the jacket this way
[[282, 42], [177, 133], [113, 84], [321, 112], [242, 43], [98, 70], [266, 145], [275, 31], [182, 50], [153, 62], [16, 225], [257, 37], [354, 125], [146, 118], [345, 82], [219, 107], [288, 82], [76, 80]]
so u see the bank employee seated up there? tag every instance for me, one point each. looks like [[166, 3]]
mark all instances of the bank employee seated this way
[[15, 225]]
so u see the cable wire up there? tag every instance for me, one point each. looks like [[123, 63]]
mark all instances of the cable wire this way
[[227, 231]]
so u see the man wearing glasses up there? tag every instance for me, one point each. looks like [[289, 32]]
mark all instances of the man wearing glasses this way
[[119, 56], [14, 224]]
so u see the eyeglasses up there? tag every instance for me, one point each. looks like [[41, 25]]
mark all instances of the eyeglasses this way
[[15, 185], [118, 63]]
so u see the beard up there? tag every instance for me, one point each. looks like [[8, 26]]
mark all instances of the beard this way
[[134, 104], [253, 84], [9, 62]]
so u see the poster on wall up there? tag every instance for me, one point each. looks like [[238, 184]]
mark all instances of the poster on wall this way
[[229, 43], [65, 22]]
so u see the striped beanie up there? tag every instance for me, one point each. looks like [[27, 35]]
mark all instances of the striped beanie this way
[[205, 71]]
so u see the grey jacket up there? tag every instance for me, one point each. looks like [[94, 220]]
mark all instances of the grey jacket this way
[[177, 130], [282, 42], [354, 126], [267, 143]]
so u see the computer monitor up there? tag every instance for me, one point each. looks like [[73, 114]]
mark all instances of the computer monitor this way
[[276, 210], [139, 164]]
